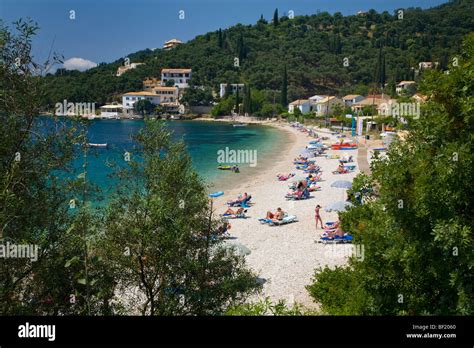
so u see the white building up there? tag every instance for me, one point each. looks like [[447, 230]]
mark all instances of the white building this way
[[123, 69], [403, 85], [427, 65], [325, 106], [303, 104], [352, 99], [180, 77], [130, 98], [111, 111], [235, 87], [315, 98]]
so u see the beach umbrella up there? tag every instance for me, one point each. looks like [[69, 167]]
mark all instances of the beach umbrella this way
[[342, 184], [339, 206]]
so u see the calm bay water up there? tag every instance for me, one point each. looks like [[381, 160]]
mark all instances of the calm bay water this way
[[203, 140]]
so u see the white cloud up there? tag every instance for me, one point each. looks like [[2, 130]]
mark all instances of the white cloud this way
[[80, 64]]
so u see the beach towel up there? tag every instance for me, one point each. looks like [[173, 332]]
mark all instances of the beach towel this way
[[234, 216]]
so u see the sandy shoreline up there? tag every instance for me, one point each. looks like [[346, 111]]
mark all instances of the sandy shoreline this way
[[286, 256]]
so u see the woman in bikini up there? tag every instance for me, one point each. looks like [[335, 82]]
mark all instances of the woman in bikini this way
[[317, 216]]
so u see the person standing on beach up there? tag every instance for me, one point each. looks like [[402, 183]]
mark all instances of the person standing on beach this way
[[317, 216]]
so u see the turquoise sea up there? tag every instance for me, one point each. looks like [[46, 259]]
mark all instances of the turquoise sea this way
[[203, 139]]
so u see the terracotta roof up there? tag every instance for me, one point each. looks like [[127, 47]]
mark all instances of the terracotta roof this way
[[178, 71], [299, 101], [351, 96], [141, 93], [163, 88], [405, 83]]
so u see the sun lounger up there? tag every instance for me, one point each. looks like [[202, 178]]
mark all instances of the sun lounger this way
[[243, 204], [286, 220], [305, 195], [337, 239]]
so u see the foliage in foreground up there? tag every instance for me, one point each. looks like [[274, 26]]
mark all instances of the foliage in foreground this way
[[417, 232], [267, 307]]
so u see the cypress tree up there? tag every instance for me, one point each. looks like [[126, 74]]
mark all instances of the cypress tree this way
[[219, 38], [237, 100], [275, 18], [284, 88], [247, 108]]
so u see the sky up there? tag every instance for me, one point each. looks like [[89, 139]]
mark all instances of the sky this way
[[106, 30]]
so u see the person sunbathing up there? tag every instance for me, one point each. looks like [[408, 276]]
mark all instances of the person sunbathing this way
[[276, 216], [239, 199], [284, 177], [332, 234], [334, 226], [230, 211], [341, 169]]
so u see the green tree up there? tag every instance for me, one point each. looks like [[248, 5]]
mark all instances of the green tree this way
[[163, 237], [284, 89], [144, 107], [276, 20], [170, 83], [220, 40]]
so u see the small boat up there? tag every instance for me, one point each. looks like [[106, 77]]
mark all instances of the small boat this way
[[216, 194], [97, 145], [240, 124], [234, 168]]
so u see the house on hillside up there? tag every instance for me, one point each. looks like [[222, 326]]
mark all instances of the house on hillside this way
[[167, 94], [420, 98], [352, 99], [381, 104], [303, 104], [123, 69], [427, 65], [235, 87], [403, 86], [151, 82], [129, 99], [171, 44], [180, 77], [326, 105]]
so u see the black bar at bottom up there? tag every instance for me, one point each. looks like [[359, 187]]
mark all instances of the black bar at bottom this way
[[428, 331]]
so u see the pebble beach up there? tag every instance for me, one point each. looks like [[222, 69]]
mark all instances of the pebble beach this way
[[285, 257]]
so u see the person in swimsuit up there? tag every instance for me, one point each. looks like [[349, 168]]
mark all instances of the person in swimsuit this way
[[277, 216], [317, 216]]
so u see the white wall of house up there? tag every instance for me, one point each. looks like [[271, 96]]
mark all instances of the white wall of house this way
[[304, 108], [181, 80], [326, 108], [355, 100], [129, 100], [235, 86]]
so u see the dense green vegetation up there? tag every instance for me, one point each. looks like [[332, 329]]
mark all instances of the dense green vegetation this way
[[379, 47], [417, 221]]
